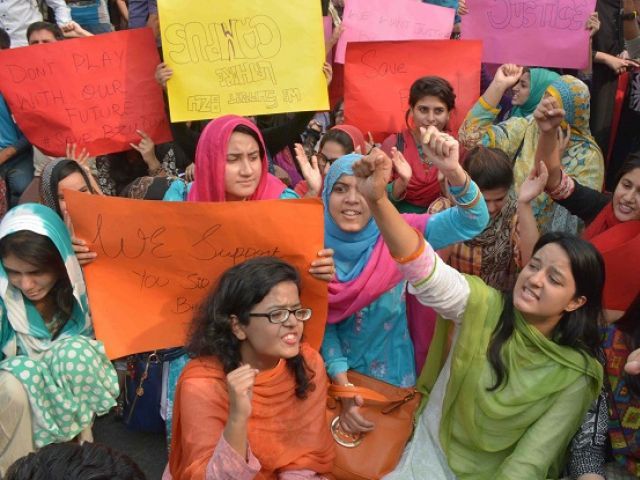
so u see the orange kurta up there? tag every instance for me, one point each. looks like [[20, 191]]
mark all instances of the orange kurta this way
[[285, 432]]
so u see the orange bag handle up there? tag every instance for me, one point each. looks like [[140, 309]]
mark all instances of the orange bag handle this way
[[342, 391]]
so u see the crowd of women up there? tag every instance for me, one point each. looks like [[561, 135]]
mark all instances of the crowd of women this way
[[493, 267]]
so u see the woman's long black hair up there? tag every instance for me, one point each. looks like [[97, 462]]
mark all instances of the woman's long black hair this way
[[577, 329], [40, 252], [239, 289]]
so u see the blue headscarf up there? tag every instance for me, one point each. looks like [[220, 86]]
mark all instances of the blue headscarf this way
[[352, 250]]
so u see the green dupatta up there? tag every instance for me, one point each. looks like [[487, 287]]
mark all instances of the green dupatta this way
[[522, 429]]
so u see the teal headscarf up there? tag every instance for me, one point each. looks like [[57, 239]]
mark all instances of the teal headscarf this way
[[22, 329], [541, 78]]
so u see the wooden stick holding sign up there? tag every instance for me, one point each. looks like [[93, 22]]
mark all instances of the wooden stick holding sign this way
[[95, 91], [157, 260]]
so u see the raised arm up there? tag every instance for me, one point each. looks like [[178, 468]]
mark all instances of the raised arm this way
[[469, 216], [580, 200], [435, 284], [478, 127]]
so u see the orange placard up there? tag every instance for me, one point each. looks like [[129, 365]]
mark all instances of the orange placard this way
[[94, 91], [157, 260], [378, 76]]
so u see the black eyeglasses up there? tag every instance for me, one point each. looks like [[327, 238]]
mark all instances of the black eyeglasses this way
[[323, 157], [281, 315]]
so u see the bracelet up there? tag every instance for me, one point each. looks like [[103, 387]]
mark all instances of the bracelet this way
[[394, 199], [630, 15], [465, 187], [470, 204], [564, 189], [415, 254]]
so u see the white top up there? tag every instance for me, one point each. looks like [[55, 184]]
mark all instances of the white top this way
[[17, 15], [447, 292]]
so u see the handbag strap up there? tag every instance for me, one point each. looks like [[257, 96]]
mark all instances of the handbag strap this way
[[342, 391]]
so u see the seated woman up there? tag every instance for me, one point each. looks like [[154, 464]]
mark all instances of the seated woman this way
[[613, 220], [61, 174], [251, 403], [518, 138], [46, 343], [522, 370], [337, 142], [431, 100], [231, 165], [368, 328], [496, 254]]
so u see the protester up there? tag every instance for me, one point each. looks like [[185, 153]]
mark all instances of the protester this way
[[431, 100], [368, 328], [613, 220], [506, 244], [46, 343], [337, 142], [61, 174], [518, 137], [529, 89], [522, 371], [252, 401]]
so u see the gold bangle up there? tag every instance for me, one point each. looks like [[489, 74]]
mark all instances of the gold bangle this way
[[472, 203]]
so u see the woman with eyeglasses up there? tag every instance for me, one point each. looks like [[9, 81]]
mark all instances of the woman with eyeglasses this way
[[251, 402], [337, 142]]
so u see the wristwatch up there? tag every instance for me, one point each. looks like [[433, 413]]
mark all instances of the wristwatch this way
[[630, 15]]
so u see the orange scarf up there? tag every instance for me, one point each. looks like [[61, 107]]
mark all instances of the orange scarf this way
[[285, 433], [619, 244]]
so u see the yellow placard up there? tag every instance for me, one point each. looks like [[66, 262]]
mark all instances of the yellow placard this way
[[245, 57]]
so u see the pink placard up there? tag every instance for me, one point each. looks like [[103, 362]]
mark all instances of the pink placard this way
[[544, 33], [380, 20]]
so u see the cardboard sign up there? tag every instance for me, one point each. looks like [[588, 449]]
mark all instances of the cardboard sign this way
[[157, 260], [95, 91], [373, 20], [243, 57], [391, 67], [549, 33]]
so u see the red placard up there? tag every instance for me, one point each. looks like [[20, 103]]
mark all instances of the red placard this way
[[94, 91], [378, 76]]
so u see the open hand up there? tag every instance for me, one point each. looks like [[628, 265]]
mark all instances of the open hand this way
[[310, 171], [146, 148], [401, 166], [534, 184]]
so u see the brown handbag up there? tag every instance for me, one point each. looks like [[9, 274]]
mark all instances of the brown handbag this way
[[372, 455]]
